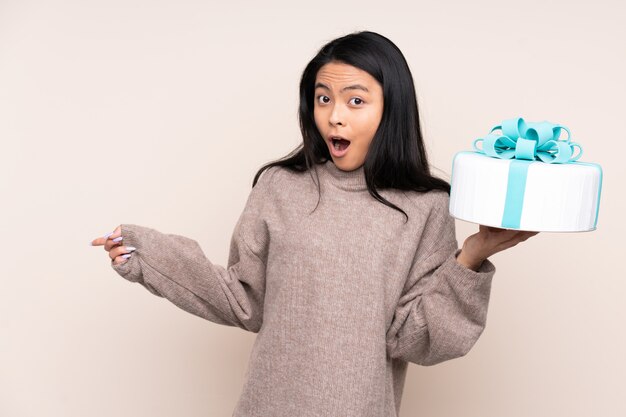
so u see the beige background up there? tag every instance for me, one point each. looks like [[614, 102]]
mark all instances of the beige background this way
[[160, 112]]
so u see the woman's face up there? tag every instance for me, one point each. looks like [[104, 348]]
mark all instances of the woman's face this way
[[348, 104]]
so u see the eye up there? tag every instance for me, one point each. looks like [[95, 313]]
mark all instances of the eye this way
[[357, 100], [322, 97]]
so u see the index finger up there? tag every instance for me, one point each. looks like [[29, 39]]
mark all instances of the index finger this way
[[102, 240]]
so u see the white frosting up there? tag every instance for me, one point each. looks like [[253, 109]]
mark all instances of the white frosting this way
[[557, 197]]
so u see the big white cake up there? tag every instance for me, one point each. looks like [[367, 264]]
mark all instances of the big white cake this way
[[525, 194]]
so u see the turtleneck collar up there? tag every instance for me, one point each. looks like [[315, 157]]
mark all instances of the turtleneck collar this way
[[345, 180]]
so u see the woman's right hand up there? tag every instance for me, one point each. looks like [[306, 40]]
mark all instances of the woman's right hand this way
[[113, 244]]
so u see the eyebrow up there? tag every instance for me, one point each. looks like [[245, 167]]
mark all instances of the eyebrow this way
[[350, 87]]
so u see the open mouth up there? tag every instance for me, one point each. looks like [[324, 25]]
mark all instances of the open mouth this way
[[340, 144]]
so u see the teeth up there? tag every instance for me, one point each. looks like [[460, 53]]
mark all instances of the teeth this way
[[337, 145]]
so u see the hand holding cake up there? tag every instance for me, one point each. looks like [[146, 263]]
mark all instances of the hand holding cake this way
[[486, 242]]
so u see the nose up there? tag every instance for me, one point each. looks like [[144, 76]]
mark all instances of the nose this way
[[336, 116]]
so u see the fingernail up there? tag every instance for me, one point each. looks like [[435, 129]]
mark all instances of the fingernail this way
[[130, 248], [107, 235], [117, 239], [127, 255]]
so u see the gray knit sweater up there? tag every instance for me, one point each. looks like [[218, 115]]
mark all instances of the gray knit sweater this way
[[342, 295]]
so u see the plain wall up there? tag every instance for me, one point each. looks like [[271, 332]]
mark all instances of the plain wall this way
[[159, 113]]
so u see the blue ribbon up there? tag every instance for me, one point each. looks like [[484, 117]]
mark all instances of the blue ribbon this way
[[525, 142], [529, 141]]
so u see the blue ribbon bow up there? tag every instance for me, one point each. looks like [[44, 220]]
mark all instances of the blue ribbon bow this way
[[529, 141]]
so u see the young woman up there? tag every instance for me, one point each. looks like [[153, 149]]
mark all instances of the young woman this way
[[344, 260]]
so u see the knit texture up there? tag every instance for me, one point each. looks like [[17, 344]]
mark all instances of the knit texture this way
[[341, 292]]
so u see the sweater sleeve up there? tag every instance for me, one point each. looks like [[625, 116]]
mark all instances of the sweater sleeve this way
[[176, 268], [442, 310]]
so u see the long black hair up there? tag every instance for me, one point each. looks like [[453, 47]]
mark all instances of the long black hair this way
[[396, 157]]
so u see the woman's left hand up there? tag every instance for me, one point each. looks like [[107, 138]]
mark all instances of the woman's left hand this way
[[486, 242]]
